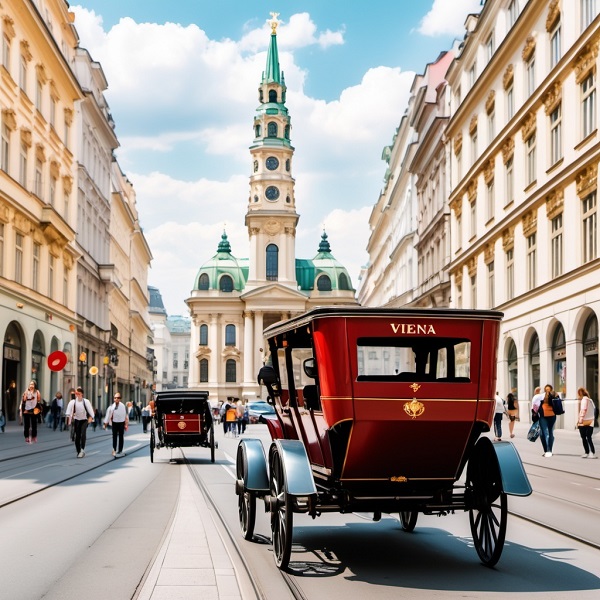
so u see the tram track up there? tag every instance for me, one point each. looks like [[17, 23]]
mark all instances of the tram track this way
[[70, 477], [289, 581]]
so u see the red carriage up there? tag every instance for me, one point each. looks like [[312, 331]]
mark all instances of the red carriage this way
[[380, 411]]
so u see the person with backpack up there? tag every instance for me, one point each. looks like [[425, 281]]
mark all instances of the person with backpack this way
[[56, 409], [547, 406], [585, 423], [80, 414]]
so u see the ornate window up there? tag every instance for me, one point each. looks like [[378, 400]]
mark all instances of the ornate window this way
[[230, 371], [204, 370], [230, 335], [557, 246], [510, 274], [588, 104], [272, 129], [272, 262], [556, 135], [531, 159], [491, 285], [589, 227], [203, 282], [204, 334], [531, 261], [589, 11], [324, 283], [510, 182], [226, 284], [343, 283]]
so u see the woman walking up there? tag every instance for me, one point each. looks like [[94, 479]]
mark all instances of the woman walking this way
[[512, 406], [585, 422], [542, 405]]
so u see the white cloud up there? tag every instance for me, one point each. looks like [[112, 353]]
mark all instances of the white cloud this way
[[447, 17]]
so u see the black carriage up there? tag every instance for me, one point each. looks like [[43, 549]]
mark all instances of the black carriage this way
[[182, 419]]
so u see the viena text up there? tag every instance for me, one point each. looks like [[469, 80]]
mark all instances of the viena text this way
[[412, 329]]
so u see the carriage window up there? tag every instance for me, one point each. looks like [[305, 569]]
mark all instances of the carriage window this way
[[414, 359]]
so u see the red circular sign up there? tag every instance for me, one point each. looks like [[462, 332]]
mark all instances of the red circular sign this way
[[57, 361]]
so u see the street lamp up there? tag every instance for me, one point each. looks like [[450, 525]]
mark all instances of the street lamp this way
[[82, 366]]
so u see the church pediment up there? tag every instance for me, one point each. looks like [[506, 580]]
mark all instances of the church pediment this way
[[273, 292]]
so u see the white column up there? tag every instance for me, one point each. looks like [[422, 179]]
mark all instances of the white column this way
[[213, 344], [194, 377], [249, 374], [258, 343]]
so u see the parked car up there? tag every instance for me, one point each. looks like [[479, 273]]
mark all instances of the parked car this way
[[258, 408]]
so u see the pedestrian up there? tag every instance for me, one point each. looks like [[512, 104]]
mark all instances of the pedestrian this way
[[512, 407], [146, 412], [2, 421], [223, 414], [585, 423], [97, 418], [231, 418], [79, 415], [542, 405], [117, 417], [56, 409], [29, 409], [499, 411]]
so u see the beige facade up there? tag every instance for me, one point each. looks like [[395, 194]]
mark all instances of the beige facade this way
[[38, 96]]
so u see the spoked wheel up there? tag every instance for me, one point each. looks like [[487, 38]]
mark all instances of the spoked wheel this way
[[246, 500], [408, 519], [152, 442], [488, 507], [282, 517], [212, 442]]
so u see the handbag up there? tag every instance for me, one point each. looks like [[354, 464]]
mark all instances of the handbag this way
[[586, 423], [534, 432], [557, 406]]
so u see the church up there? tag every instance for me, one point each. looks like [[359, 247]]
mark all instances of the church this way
[[234, 299]]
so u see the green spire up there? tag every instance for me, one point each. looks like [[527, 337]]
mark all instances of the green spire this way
[[324, 245], [272, 72], [224, 245]]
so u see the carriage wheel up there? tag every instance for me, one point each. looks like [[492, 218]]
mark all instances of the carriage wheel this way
[[408, 519], [212, 443], [488, 508], [282, 517], [152, 442], [246, 500]]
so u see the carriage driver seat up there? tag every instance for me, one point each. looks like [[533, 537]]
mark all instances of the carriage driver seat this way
[[311, 397]]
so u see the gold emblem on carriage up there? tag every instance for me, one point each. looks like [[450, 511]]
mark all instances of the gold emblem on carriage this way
[[414, 409], [415, 387], [182, 424], [398, 478]]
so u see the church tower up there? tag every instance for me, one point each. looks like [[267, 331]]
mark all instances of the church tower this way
[[271, 217]]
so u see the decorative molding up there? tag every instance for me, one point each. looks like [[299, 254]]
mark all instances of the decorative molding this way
[[508, 238], [272, 227], [555, 201], [488, 253], [553, 15], [25, 51], [67, 184], [508, 76], [586, 61], [9, 118], [456, 206], [553, 97], [472, 266], [26, 137], [528, 126], [54, 169], [254, 230], [458, 140], [490, 103], [22, 223], [473, 124], [290, 230], [529, 222], [68, 116], [4, 213], [488, 171], [587, 180], [458, 277], [40, 153], [528, 49], [53, 90], [8, 27], [41, 73], [472, 191], [508, 149]]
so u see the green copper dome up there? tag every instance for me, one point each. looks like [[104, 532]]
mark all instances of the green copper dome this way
[[223, 272]]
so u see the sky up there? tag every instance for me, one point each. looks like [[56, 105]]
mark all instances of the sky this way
[[183, 79]]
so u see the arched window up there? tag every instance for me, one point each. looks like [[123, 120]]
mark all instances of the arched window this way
[[204, 335], [272, 95], [559, 357], [257, 130], [226, 284], [590, 355], [203, 282], [287, 132], [324, 283], [512, 368], [343, 283], [230, 335], [534, 360], [230, 371], [272, 129], [204, 370], [272, 258]]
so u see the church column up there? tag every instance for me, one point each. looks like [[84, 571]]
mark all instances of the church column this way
[[213, 344], [257, 355], [249, 374], [194, 377], [291, 252]]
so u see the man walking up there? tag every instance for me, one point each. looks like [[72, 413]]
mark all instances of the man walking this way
[[116, 415], [79, 414]]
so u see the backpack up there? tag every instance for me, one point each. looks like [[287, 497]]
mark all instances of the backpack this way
[[557, 406]]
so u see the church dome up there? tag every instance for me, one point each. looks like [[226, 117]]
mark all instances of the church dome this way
[[223, 272], [330, 275]]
